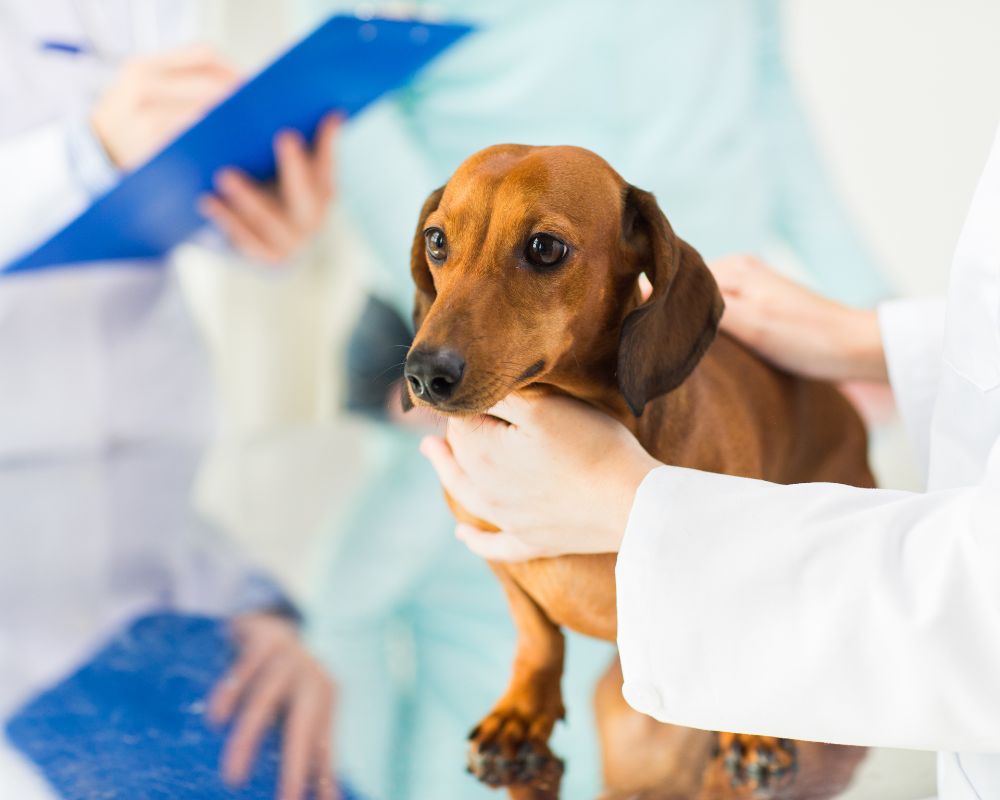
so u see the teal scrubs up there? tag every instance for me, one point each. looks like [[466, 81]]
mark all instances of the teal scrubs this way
[[689, 100]]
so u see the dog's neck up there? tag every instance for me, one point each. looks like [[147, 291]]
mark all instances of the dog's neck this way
[[591, 377], [592, 388]]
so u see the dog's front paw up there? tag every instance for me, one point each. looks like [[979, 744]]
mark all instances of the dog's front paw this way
[[759, 763], [510, 748]]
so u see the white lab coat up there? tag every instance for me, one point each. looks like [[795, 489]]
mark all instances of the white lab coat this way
[[106, 399], [108, 354], [829, 613]]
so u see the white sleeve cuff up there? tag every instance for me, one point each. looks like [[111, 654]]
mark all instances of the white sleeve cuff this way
[[913, 339], [41, 191], [650, 549], [89, 160]]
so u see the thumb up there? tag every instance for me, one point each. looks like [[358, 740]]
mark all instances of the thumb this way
[[497, 546], [452, 477]]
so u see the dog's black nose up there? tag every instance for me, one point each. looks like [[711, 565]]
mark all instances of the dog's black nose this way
[[434, 374]]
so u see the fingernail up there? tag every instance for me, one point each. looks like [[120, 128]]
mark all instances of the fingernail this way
[[223, 179], [287, 137]]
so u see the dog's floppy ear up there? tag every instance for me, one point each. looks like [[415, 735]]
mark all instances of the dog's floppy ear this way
[[664, 338], [422, 279]]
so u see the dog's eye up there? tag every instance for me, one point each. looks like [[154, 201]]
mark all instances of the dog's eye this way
[[437, 245], [545, 250]]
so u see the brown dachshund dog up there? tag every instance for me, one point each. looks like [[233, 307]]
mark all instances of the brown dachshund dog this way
[[527, 267]]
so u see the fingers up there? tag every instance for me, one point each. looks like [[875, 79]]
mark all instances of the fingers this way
[[484, 427], [256, 206], [305, 746], [733, 272], [242, 235], [228, 691], [645, 286], [182, 79], [199, 57], [259, 713], [296, 743], [735, 318], [437, 451], [307, 728], [323, 146], [272, 225], [531, 410], [501, 546], [451, 475], [516, 409], [259, 212], [298, 188], [326, 782], [305, 179], [196, 90]]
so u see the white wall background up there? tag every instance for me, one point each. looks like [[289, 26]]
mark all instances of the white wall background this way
[[904, 96]]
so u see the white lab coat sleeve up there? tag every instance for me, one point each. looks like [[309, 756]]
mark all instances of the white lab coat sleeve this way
[[814, 611], [913, 337], [50, 174]]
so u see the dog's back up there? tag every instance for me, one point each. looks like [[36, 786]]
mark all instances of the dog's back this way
[[736, 414]]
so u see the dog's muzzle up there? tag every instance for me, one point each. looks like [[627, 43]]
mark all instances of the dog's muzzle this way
[[434, 375]]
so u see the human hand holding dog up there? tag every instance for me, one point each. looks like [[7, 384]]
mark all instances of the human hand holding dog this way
[[557, 476], [554, 474], [795, 328]]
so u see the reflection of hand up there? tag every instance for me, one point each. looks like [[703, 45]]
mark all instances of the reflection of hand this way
[[273, 224], [795, 328], [153, 99], [274, 675], [555, 475]]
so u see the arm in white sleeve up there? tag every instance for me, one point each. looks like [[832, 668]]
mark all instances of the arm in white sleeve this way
[[913, 340], [814, 611], [50, 173]]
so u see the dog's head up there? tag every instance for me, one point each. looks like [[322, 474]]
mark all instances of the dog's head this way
[[527, 267]]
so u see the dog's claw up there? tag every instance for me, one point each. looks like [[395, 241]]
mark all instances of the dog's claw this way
[[758, 762], [502, 753]]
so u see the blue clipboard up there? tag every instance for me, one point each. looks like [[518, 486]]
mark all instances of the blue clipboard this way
[[130, 723], [343, 65]]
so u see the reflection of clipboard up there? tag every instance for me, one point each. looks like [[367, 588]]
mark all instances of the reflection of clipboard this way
[[130, 723], [343, 66]]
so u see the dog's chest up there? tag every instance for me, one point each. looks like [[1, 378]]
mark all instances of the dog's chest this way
[[577, 592]]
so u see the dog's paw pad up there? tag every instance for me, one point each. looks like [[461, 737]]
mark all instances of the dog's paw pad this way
[[504, 752]]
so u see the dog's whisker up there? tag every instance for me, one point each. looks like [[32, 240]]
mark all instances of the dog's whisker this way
[[389, 369]]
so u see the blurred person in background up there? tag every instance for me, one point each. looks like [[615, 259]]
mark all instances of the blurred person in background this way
[[689, 100], [107, 400]]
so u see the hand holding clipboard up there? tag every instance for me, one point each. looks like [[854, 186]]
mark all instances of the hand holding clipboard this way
[[342, 66]]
